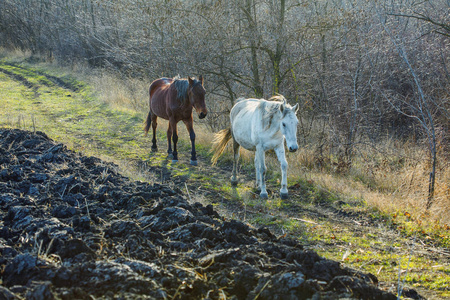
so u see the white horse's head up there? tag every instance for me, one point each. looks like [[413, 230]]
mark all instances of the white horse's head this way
[[288, 125]]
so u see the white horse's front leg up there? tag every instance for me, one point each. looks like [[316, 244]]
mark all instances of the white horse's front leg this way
[[257, 173], [260, 166], [284, 165]]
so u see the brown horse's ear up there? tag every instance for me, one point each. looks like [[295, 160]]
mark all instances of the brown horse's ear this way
[[201, 78], [191, 81]]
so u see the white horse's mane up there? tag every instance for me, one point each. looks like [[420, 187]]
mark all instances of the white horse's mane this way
[[270, 108], [239, 100], [278, 97]]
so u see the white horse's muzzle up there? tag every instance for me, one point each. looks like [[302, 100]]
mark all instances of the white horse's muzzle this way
[[293, 148]]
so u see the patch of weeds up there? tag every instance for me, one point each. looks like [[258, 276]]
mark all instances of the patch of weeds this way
[[313, 193], [233, 192], [292, 225], [203, 150], [354, 206], [378, 216], [368, 181], [271, 221], [348, 238], [435, 280], [436, 234], [385, 261], [275, 203]]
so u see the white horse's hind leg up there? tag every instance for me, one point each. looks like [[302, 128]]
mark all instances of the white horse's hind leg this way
[[284, 165], [260, 166], [236, 147]]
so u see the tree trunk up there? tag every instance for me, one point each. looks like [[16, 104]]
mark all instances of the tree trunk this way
[[254, 55], [432, 179]]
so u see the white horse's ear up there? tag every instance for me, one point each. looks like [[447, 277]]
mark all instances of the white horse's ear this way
[[296, 107], [282, 107]]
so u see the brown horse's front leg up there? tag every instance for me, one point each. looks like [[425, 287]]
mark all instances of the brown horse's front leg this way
[[190, 129], [173, 126], [154, 125], [169, 142]]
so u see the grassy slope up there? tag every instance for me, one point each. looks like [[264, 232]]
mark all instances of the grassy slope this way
[[341, 228]]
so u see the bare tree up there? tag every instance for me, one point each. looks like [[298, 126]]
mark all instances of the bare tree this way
[[418, 107]]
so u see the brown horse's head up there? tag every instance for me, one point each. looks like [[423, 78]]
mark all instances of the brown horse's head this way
[[196, 93]]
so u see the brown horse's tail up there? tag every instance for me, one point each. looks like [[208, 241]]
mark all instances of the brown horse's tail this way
[[220, 141], [148, 123]]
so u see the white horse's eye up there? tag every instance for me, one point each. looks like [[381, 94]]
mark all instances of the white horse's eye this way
[[284, 125]]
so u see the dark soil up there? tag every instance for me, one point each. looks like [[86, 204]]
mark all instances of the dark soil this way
[[71, 227]]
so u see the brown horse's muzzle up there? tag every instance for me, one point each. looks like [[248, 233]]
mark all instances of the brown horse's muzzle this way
[[202, 115]]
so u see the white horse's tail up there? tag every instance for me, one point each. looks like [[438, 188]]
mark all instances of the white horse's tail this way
[[220, 141]]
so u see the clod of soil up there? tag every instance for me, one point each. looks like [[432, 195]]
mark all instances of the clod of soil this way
[[71, 226]]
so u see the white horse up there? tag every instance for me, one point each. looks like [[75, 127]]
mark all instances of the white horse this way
[[260, 125]]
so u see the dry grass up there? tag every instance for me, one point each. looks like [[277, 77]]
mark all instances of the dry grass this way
[[14, 54], [121, 93], [392, 178]]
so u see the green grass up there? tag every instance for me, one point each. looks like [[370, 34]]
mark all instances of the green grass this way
[[413, 269], [72, 117]]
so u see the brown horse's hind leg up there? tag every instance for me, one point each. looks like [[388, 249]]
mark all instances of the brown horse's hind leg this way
[[154, 125], [190, 129]]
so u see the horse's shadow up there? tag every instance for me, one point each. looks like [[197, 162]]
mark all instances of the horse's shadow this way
[[165, 170]]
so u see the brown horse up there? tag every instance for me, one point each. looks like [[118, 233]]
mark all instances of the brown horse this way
[[173, 99]]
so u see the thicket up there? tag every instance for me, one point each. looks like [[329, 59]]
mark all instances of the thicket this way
[[362, 71]]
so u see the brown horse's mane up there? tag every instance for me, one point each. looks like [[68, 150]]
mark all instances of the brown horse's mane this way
[[181, 85]]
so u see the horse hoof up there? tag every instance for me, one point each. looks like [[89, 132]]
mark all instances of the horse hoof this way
[[154, 149], [194, 163], [234, 182], [174, 161], [264, 196], [284, 196], [170, 156]]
